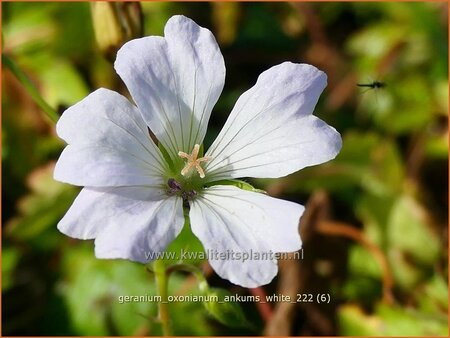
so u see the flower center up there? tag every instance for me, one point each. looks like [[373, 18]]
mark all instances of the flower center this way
[[193, 162], [175, 188]]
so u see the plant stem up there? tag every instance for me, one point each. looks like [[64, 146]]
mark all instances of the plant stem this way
[[162, 286], [30, 88]]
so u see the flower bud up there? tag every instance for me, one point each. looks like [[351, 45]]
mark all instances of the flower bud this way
[[114, 24]]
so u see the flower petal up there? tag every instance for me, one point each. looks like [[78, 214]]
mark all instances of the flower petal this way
[[143, 232], [271, 132], [175, 81], [98, 166], [94, 209], [109, 144], [227, 219], [127, 222]]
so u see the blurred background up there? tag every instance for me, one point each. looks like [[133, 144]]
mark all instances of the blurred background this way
[[376, 227]]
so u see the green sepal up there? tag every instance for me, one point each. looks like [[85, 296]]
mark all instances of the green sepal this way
[[185, 241], [167, 157], [239, 184], [201, 150], [226, 312]]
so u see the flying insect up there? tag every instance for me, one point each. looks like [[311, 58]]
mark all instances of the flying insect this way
[[373, 85]]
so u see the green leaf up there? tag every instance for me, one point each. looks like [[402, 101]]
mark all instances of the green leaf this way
[[223, 309], [39, 213], [401, 321], [92, 289], [410, 231], [374, 211], [10, 258], [362, 262], [434, 298], [366, 160], [353, 321], [239, 184], [389, 321], [374, 41], [73, 90], [402, 228]]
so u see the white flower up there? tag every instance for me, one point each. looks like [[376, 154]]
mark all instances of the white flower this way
[[134, 191]]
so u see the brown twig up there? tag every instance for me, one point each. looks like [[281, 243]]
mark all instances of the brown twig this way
[[322, 50], [264, 308], [342, 229], [293, 276], [283, 317]]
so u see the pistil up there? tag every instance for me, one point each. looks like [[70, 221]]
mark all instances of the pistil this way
[[193, 161]]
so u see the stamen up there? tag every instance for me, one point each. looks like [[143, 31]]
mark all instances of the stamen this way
[[193, 161], [173, 185]]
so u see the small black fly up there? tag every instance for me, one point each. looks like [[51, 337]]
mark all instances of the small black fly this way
[[376, 86], [373, 85]]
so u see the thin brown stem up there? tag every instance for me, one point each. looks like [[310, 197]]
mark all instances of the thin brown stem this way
[[342, 229]]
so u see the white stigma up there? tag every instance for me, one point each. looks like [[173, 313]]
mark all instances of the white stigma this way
[[193, 161]]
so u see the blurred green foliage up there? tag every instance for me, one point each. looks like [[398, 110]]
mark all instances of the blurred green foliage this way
[[390, 180]]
